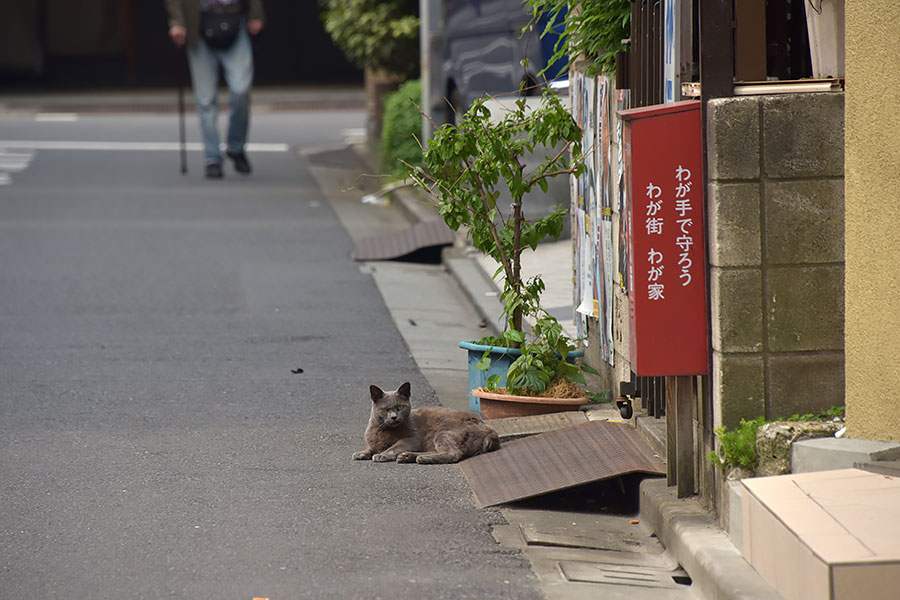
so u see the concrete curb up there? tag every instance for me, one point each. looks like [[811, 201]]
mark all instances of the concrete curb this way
[[475, 284], [472, 279], [717, 568]]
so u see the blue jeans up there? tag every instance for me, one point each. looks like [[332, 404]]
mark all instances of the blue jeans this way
[[237, 65]]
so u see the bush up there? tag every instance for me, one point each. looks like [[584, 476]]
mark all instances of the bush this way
[[402, 127], [593, 30], [738, 445], [376, 34]]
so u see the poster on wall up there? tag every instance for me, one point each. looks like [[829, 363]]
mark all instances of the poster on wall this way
[[597, 208], [602, 256], [587, 191], [595, 204], [623, 101], [620, 317], [577, 202], [609, 258]]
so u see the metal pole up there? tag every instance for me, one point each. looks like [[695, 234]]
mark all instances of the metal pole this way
[[181, 134]]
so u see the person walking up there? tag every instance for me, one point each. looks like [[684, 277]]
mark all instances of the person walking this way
[[217, 32]]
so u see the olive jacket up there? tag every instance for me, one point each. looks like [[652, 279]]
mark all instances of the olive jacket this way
[[187, 14]]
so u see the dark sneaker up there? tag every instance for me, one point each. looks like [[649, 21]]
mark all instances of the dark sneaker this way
[[241, 164], [214, 171]]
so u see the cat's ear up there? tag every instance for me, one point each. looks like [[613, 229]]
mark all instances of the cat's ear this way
[[376, 393], [404, 390]]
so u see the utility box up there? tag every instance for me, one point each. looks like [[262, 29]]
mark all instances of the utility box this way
[[665, 239]]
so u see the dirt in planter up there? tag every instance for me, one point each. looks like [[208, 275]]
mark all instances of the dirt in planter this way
[[558, 388]]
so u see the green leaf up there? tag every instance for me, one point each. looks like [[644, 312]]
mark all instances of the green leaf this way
[[591, 370], [485, 362], [516, 336], [597, 397]]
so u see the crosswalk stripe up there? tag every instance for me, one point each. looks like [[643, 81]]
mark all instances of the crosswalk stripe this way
[[13, 162]]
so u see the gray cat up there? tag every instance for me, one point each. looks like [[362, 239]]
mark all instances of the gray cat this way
[[424, 435]]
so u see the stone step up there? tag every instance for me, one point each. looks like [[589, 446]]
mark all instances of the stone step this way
[[828, 535]]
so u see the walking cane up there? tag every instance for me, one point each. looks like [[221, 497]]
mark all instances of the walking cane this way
[[182, 52]]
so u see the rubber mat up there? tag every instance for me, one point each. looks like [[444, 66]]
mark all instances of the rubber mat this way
[[558, 460], [425, 234], [510, 428]]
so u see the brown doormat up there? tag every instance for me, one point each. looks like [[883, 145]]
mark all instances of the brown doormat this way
[[558, 460], [425, 234]]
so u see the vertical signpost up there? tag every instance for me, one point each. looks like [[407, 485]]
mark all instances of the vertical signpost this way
[[672, 52], [667, 263]]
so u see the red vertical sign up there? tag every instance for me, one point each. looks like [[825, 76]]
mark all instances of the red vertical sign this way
[[666, 255]]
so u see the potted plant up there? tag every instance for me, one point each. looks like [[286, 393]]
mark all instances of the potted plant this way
[[464, 169]]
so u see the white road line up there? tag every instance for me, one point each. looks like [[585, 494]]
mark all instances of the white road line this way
[[119, 146], [12, 162], [56, 117]]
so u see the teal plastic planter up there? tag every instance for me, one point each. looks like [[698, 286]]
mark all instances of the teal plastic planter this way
[[501, 359]]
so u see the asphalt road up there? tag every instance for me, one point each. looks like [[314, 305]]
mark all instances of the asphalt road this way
[[154, 441]]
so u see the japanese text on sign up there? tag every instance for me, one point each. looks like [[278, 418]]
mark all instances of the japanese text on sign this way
[[683, 206], [654, 226], [654, 222]]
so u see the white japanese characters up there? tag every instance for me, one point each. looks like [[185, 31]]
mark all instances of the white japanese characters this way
[[685, 241], [655, 221], [654, 226]]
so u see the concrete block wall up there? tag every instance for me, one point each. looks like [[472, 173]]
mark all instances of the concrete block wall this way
[[776, 227]]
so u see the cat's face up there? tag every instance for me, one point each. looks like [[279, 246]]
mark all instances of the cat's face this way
[[390, 409]]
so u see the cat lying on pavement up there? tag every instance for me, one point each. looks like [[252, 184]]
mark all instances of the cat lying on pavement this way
[[425, 435]]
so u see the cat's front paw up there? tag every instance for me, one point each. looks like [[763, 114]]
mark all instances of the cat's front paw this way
[[406, 457], [364, 455], [382, 458]]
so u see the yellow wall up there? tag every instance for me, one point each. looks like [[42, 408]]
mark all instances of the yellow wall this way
[[872, 204]]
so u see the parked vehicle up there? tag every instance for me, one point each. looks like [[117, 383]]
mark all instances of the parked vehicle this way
[[484, 48]]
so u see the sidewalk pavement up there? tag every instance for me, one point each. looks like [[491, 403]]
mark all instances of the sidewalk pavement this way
[[686, 530]]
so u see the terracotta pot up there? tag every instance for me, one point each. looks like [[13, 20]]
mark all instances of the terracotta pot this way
[[497, 406]]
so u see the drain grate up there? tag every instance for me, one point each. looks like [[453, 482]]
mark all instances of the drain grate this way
[[611, 541], [559, 460], [587, 572]]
